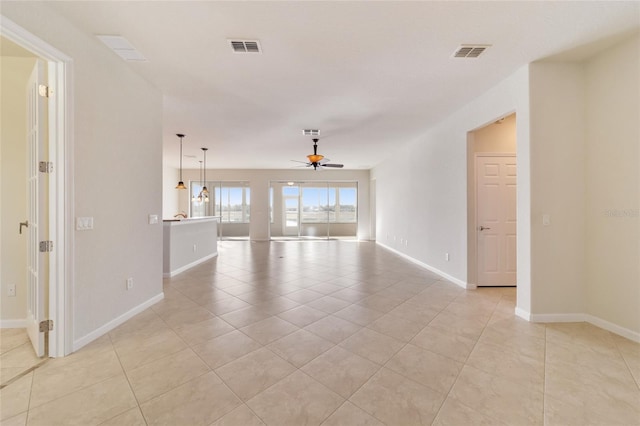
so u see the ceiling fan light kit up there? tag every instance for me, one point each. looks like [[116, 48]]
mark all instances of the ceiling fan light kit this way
[[317, 161]]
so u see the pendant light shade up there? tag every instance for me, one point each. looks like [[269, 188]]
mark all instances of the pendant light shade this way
[[205, 191], [180, 182]]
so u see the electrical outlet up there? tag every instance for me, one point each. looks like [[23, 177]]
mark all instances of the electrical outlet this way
[[129, 283], [195, 248], [11, 290]]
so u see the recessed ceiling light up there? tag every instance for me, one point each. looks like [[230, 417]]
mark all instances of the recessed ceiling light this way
[[122, 47]]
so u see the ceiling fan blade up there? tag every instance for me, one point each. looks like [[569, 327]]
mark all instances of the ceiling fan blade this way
[[337, 166], [303, 162]]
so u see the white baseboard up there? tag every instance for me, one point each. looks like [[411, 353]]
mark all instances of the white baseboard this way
[[523, 314], [430, 268], [574, 317], [189, 266], [13, 323], [591, 319], [614, 328], [99, 332]]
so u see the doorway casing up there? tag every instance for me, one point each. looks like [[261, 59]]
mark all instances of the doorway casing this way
[[59, 79]]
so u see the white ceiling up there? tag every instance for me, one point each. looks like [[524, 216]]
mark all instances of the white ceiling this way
[[370, 75]]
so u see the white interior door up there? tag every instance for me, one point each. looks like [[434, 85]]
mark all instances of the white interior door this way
[[36, 188], [496, 220]]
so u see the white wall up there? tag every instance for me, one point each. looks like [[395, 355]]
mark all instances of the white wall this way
[[613, 181], [14, 73], [557, 187], [259, 184], [421, 192], [117, 163]]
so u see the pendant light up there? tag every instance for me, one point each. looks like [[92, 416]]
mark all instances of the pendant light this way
[[180, 182], [199, 197], [205, 191]]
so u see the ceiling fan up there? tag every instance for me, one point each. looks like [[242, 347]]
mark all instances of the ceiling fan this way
[[317, 161]]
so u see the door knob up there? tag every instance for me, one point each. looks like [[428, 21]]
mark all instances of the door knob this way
[[25, 223], [482, 228]]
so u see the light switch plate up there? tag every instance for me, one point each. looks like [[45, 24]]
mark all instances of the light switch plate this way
[[84, 223], [546, 219], [153, 219]]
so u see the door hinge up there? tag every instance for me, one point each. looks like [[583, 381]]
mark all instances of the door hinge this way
[[46, 246], [45, 167], [46, 325], [45, 91]]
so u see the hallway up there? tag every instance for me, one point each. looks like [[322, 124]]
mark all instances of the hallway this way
[[332, 333]]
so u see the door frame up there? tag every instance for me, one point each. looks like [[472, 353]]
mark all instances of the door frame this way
[[474, 217], [59, 80]]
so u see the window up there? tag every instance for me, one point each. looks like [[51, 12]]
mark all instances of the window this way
[[329, 204], [229, 200]]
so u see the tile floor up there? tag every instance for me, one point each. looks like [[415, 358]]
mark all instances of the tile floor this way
[[331, 333]]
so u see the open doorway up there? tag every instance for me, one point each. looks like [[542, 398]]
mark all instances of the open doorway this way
[[491, 204], [47, 208]]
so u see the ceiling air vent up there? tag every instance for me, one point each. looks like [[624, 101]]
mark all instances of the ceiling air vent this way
[[245, 46], [470, 50], [311, 132]]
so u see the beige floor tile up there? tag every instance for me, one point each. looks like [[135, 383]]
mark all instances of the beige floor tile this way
[[467, 327], [521, 344], [350, 295], [380, 303], [326, 288], [194, 334], [452, 346], [333, 328], [254, 372], [256, 297], [246, 316], [240, 289], [304, 296], [496, 361], [91, 405], [226, 348], [60, 379], [137, 349], [19, 420], [341, 371], [302, 315], [493, 396], [185, 316], [585, 409], [277, 305], [328, 304], [453, 413], [14, 399], [20, 356], [372, 345], [296, 400], [269, 330], [432, 370], [300, 347], [396, 400], [11, 338], [241, 416], [395, 327], [359, 314], [201, 401], [221, 307], [145, 321], [418, 314], [131, 417], [6, 374], [349, 414], [160, 376]]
